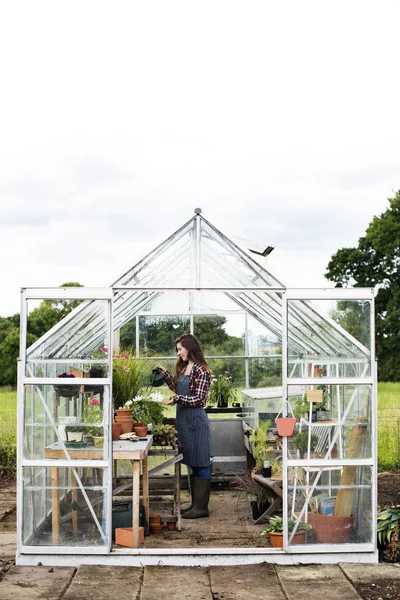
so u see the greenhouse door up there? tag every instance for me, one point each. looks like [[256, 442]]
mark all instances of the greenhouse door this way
[[64, 435], [329, 477]]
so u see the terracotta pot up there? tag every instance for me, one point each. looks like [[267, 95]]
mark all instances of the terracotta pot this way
[[140, 431], [126, 426], [116, 430], [156, 529], [276, 538], [328, 529], [171, 525], [154, 518], [123, 412], [285, 425]]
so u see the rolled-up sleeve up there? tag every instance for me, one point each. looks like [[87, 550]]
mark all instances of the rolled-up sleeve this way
[[167, 378]]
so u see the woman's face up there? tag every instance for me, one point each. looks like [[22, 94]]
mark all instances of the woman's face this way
[[182, 352]]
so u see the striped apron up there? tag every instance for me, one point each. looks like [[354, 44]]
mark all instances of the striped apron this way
[[193, 429]]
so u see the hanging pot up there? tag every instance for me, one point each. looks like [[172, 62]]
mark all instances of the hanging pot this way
[[285, 425]]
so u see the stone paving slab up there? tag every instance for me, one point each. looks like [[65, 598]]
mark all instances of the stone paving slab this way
[[8, 543], [105, 583], [176, 583], [357, 573], [256, 582], [315, 581], [34, 583]]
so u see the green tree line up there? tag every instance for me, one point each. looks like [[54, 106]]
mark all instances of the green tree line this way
[[375, 263]]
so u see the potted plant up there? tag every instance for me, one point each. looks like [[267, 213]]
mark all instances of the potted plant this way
[[258, 495], [164, 435], [389, 533], [275, 531], [300, 442], [222, 392], [74, 433], [324, 409], [66, 391], [98, 436], [259, 448]]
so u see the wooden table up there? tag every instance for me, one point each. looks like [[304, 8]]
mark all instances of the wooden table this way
[[274, 486], [137, 452]]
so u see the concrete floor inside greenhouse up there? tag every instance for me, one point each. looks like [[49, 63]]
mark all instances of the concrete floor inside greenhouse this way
[[230, 524]]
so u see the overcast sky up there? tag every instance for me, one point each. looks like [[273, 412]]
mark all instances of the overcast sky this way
[[279, 119]]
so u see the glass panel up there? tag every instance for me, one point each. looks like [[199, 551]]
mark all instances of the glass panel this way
[[158, 334], [95, 366], [65, 422], [220, 335], [335, 421], [79, 334], [64, 506], [232, 367], [335, 501], [329, 338]]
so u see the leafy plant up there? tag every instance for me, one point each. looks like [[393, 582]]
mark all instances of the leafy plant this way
[[164, 435], [76, 428], [300, 441], [222, 392], [389, 531], [301, 407], [130, 376], [259, 448], [275, 525], [246, 486], [145, 410], [96, 431]]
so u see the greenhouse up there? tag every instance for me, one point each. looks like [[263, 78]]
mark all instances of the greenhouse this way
[[302, 358]]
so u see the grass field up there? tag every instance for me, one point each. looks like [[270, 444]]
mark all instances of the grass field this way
[[388, 427]]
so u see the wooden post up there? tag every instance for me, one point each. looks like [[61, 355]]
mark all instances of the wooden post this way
[[55, 506], [345, 497]]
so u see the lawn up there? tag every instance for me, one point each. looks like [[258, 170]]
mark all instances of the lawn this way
[[388, 427]]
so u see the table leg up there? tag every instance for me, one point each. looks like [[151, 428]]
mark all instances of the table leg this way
[[135, 502], [145, 486], [55, 505], [74, 494], [177, 493]]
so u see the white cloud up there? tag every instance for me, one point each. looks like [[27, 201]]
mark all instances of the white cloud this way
[[279, 120]]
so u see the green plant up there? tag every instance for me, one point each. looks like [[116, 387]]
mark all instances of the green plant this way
[[95, 431], [389, 532], [301, 407], [130, 376], [222, 392], [91, 411], [259, 448], [76, 428], [146, 410], [300, 441], [275, 525], [246, 486], [164, 435], [326, 397]]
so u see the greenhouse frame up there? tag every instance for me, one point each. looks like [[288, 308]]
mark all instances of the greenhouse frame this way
[[292, 346]]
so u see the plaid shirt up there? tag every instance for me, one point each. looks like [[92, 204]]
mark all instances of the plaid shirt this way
[[199, 383]]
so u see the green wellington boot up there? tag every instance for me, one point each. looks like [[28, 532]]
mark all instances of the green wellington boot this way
[[202, 496], [185, 510]]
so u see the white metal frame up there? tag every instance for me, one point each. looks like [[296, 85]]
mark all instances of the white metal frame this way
[[327, 294], [69, 293]]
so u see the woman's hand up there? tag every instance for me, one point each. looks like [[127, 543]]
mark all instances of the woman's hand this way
[[168, 402], [160, 368]]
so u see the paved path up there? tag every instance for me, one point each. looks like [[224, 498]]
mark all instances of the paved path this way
[[245, 582]]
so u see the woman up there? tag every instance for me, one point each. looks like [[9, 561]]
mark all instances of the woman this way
[[190, 382]]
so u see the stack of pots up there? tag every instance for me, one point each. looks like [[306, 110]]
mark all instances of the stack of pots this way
[[140, 429], [124, 416], [155, 524]]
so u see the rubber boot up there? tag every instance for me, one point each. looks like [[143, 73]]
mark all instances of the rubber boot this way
[[202, 496], [185, 510]]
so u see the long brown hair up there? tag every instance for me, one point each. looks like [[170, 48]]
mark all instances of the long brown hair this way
[[195, 353]]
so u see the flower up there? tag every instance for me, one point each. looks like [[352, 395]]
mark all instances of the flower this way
[[94, 401]]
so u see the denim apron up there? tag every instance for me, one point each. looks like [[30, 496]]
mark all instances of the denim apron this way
[[193, 429]]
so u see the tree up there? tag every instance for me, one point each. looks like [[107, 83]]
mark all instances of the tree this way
[[376, 263], [40, 320]]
